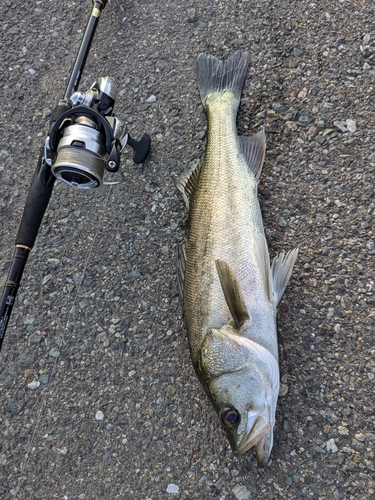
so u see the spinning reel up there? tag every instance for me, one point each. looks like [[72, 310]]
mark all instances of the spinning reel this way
[[87, 139]]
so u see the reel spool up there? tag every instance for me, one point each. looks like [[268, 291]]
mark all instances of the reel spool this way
[[81, 155]]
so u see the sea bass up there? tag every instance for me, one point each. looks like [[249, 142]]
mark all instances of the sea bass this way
[[229, 289]]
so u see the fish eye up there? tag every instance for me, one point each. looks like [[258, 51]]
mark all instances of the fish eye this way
[[230, 417]]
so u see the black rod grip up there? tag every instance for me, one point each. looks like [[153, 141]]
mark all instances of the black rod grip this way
[[35, 207], [11, 288]]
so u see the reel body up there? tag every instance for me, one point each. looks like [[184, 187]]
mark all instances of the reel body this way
[[86, 140]]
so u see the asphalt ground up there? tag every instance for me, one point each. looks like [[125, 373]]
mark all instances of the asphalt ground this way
[[99, 399]]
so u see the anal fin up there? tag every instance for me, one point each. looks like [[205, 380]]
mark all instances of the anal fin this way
[[232, 293], [281, 270]]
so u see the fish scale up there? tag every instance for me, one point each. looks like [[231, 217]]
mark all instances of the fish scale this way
[[230, 292]]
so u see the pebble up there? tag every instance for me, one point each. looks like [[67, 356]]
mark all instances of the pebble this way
[[46, 279], [192, 14], [55, 353], [159, 65], [200, 135], [283, 390], [321, 123], [173, 488], [305, 117], [53, 263], [220, 483], [102, 337], [320, 139], [340, 126], [291, 125], [152, 98], [297, 52], [99, 415], [33, 385], [331, 446], [25, 360], [35, 339], [46, 113], [360, 437], [29, 320], [241, 493], [351, 125], [3, 154]]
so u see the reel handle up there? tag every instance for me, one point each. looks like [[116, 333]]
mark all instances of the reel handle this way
[[141, 148]]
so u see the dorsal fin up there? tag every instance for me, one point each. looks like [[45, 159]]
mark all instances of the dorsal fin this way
[[254, 148], [232, 293], [187, 181]]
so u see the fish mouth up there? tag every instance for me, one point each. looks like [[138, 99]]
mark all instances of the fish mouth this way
[[257, 427]]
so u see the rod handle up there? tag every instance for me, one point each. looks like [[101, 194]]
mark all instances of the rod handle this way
[[36, 204], [11, 288]]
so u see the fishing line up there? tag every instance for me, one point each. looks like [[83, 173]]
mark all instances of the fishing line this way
[[48, 386]]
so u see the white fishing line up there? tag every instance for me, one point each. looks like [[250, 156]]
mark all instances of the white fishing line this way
[[47, 388]]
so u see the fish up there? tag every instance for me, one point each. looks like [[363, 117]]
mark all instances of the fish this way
[[229, 288]]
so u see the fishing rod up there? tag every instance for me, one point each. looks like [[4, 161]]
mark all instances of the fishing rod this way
[[85, 139]]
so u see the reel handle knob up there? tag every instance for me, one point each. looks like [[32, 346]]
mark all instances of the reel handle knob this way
[[141, 148]]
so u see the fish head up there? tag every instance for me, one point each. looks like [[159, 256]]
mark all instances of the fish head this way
[[242, 382]]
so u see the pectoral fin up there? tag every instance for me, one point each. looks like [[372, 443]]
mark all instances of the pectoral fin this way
[[281, 270], [232, 293]]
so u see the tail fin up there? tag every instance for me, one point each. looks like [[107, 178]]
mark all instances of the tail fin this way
[[216, 76]]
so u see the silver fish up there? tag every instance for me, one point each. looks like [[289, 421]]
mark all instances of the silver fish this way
[[229, 289]]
